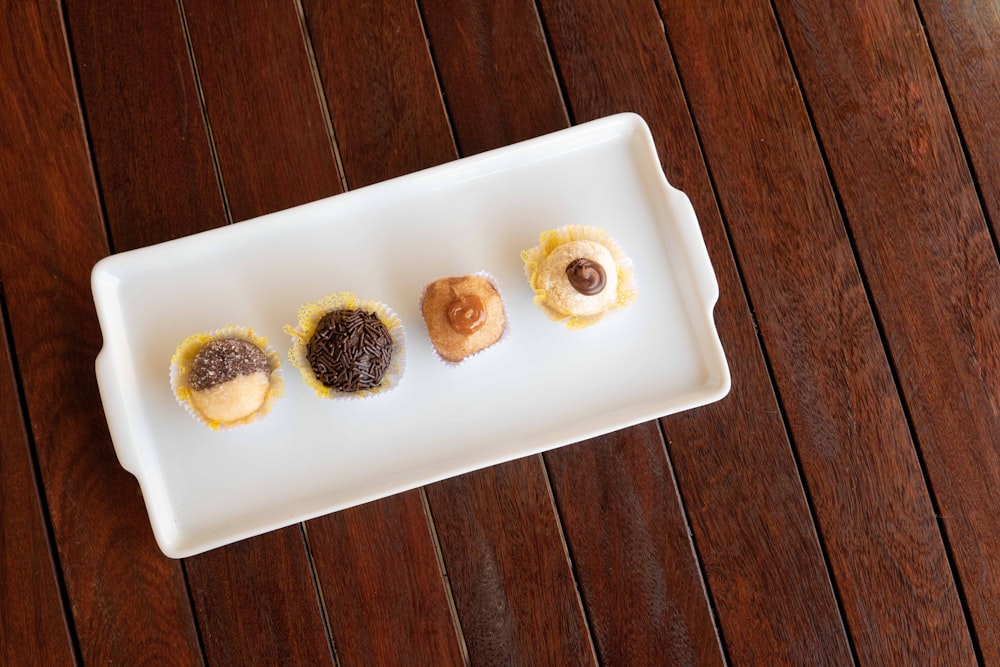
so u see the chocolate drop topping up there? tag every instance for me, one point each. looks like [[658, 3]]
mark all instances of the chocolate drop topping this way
[[586, 276], [466, 314], [226, 359], [350, 350]]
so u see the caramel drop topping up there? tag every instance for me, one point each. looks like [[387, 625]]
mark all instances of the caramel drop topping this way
[[466, 314]]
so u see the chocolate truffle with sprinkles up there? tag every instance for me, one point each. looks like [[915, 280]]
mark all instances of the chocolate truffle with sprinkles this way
[[350, 350], [227, 378], [346, 347]]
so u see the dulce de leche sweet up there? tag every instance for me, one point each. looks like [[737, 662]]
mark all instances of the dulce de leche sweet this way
[[464, 315]]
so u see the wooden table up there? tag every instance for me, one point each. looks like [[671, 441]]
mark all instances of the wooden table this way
[[839, 506]]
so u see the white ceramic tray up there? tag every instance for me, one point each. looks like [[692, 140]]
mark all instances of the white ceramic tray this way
[[542, 387]]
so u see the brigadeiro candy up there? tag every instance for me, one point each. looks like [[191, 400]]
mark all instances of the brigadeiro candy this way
[[346, 347]]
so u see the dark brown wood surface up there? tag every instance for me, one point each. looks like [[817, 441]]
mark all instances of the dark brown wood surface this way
[[837, 507]]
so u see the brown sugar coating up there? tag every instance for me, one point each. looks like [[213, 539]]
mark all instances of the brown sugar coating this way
[[223, 360], [464, 315], [229, 380]]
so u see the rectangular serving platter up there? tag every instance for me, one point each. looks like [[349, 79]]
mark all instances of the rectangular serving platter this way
[[542, 387]]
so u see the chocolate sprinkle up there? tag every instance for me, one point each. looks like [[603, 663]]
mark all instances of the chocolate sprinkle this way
[[350, 350], [223, 360]]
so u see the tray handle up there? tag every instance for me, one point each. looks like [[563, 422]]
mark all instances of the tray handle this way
[[113, 398], [689, 232]]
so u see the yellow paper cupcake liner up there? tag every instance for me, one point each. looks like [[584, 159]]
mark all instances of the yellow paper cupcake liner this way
[[309, 316], [550, 240], [180, 366]]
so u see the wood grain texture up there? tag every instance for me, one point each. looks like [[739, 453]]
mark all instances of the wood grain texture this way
[[382, 585], [256, 603], [495, 71], [510, 574], [740, 486], [145, 120], [838, 503], [129, 603], [670, 622], [633, 554], [849, 429], [928, 257], [31, 606], [965, 37], [378, 80], [268, 123]]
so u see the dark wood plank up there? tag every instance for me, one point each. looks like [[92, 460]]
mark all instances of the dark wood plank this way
[[495, 70], [129, 603], [645, 554], [31, 606], [382, 585], [145, 121], [965, 36], [630, 541], [878, 524], [257, 604], [931, 266], [377, 77], [268, 124], [508, 568], [751, 521]]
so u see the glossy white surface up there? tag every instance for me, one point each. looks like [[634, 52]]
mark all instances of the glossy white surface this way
[[542, 387]]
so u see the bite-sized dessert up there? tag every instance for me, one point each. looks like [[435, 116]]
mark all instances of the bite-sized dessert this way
[[350, 350], [463, 314], [346, 347], [579, 273], [227, 378]]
